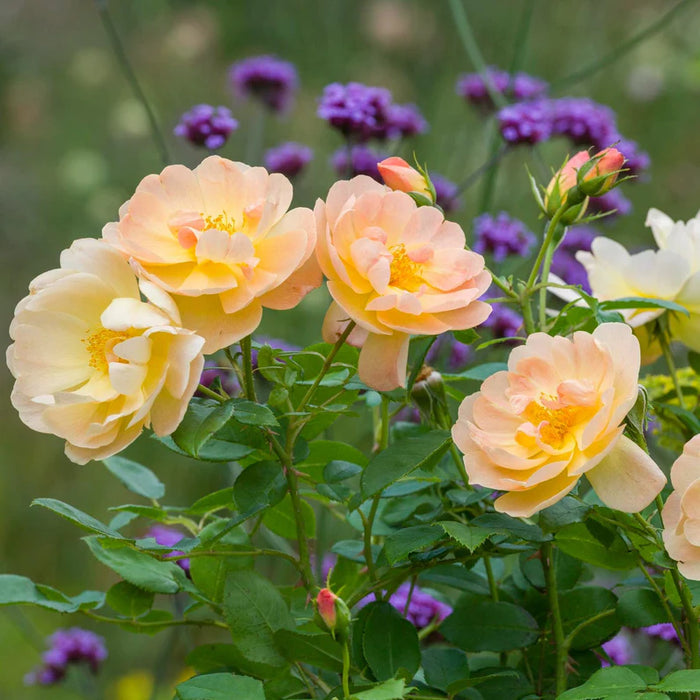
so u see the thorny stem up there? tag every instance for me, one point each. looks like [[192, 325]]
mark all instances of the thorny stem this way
[[562, 651], [130, 75], [248, 381], [211, 394]]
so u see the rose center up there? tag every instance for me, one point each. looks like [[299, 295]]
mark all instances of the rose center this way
[[553, 423], [403, 270], [221, 222], [100, 344]]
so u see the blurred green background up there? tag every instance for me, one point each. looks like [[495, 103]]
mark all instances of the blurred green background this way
[[74, 143]]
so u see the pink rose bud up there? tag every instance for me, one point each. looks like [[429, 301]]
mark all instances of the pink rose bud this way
[[325, 602], [399, 175], [600, 173], [559, 189], [332, 613]]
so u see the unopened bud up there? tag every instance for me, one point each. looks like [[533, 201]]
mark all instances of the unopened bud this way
[[599, 174], [562, 188], [399, 175], [428, 393], [333, 614]]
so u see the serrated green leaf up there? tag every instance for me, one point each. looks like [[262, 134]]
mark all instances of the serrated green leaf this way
[[221, 686], [642, 303], [315, 649], [596, 545], [128, 600], [139, 568], [640, 607], [254, 610], [390, 642], [18, 590], [136, 477], [251, 413], [262, 484], [213, 502], [389, 690], [402, 458], [469, 536], [400, 544], [501, 523], [443, 666], [609, 682], [684, 681], [282, 521], [78, 517]]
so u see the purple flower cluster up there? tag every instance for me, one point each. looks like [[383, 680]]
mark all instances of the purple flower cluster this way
[[268, 79], [504, 322], [68, 646], [521, 86], [169, 537], [614, 203], [363, 112], [584, 121], [446, 193], [206, 126], [362, 161], [501, 236], [422, 608], [213, 371], [564, 263], [458, 354], [663, 630], [618, 649], [288, 158], [526, 122]]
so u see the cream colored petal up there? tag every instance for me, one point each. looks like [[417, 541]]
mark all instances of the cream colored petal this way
[[627, 479], [383, 359], [158, 296], [334, 324], [356, 307], [661, 225], [123, 314], [288, 294], [523, 504], [126, 378], [137, 349]]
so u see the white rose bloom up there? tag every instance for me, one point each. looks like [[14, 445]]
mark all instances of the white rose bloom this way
[[93, 363], [671, 273]]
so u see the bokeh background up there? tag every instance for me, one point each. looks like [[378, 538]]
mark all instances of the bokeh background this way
[[74, 142]]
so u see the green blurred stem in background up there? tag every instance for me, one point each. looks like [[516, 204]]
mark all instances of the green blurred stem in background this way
[[130, 75]]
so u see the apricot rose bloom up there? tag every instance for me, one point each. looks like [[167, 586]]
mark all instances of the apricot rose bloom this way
[[681, 512], [94, 364], [395, 269], [219, 239], [555, 414]]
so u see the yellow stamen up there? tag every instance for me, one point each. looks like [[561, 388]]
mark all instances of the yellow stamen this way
[[403, 269], [556, 422], [100, 343], [222, 222]]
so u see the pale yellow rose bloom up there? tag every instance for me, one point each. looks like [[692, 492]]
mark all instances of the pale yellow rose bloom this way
[[555, 414], [671, 273], [221, 241], [681, 512], [93, 363]]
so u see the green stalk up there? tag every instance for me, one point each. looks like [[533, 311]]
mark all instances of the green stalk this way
[[620, 50], [543, 288], [248, 381], [668, 356], [562, 650], [493, 586], [346, 670], [130, 75], [470, 45]]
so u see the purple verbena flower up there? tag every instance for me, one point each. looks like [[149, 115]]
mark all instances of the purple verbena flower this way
[[358, 111], [206, 126], [422, 609], [213, 370], [504, 322], [526, 122], [458, 354], [584, 121], [288, 158], [169, 537], [613, 201], [266, 78], [618, 649], [663, 630], [68, 646], [363, 161], [564, 263], [519, 87], [501, 235], [446, 193], [403, 121]]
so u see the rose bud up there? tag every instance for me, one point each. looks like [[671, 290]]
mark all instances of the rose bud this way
[[332, 614], [561, 189], [599, 174], [399, 175]]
